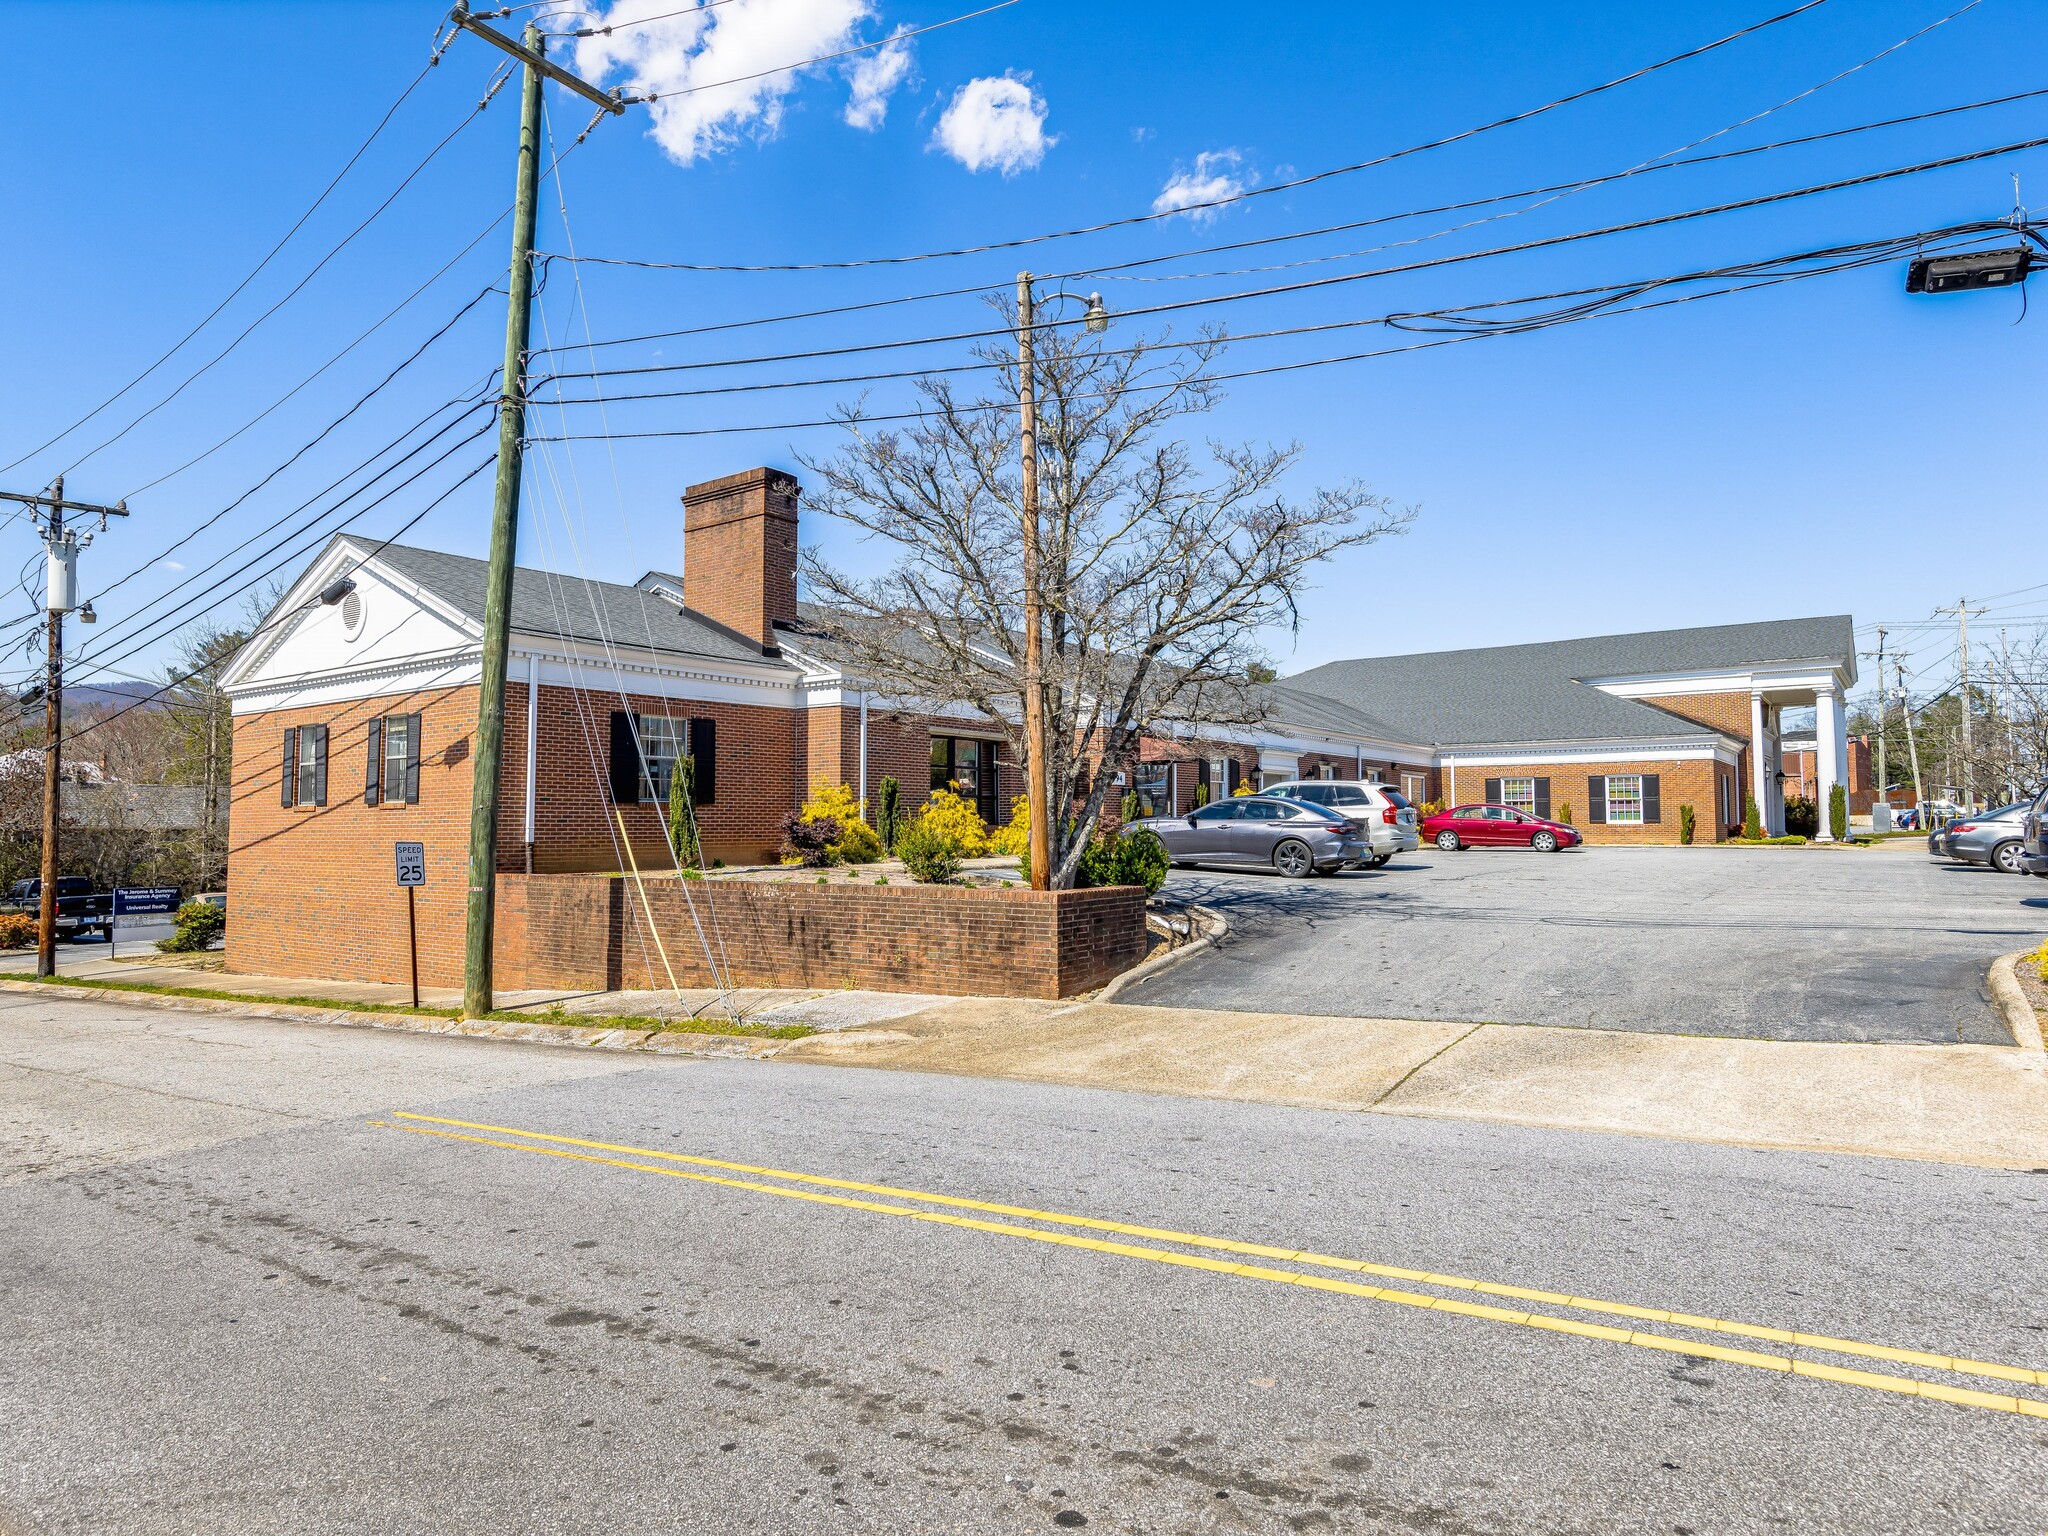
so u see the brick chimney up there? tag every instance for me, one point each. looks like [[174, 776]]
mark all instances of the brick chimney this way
[[739, 552]]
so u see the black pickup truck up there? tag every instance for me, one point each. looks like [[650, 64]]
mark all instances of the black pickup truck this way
[[81, 911]]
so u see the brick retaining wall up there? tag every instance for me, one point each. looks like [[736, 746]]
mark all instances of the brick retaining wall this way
[[593, 931]]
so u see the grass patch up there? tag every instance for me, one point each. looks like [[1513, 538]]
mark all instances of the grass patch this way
[[555, 1015]]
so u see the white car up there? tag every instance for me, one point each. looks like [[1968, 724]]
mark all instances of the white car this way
[[1384, 812]]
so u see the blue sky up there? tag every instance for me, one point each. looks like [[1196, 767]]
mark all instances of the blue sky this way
[[1820, 446]]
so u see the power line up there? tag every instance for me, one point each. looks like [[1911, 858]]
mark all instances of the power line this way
[[691, 90], [1860, 253], [472, 406], [183, 678], [1280, 186], [285, 239], [852, 419], [1306, 285], [98, 659], [1237, 245], [307, 446], [299, 287]]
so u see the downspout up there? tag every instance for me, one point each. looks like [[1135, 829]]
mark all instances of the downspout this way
[[862, 797], [532, 746]]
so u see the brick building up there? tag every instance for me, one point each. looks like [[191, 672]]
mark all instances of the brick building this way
[[354, 728], [1802, 777], [1625, 729]]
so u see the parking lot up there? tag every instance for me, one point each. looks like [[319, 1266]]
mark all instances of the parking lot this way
[[1768, 943]]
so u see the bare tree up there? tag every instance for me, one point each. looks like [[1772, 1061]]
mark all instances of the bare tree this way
[[1161, 563]]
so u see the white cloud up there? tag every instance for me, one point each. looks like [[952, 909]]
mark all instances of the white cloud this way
[[997, 123], [173, 565], [686, 59], [1217, 174], [873, 78]]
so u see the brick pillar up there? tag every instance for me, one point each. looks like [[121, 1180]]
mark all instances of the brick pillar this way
[[739, 552]]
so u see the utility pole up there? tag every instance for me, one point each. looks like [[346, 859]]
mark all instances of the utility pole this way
[[1912, 746], [63, 545], [1039, 851], [1037, 790], [1962, 611], [1884, 795], [531, 51]]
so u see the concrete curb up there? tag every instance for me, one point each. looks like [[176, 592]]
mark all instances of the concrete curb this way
[[571, 1036], [2012, 1003], [1215, 928]]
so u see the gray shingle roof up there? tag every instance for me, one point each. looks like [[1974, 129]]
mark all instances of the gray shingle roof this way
[[545, 603], [1514, 693]]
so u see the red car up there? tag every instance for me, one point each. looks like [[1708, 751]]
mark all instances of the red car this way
[[1497, 826]]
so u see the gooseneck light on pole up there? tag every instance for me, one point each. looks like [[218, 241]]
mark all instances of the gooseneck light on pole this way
[[1036, 780]]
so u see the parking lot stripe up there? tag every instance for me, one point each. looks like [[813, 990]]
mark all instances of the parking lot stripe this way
[[555, 1145]]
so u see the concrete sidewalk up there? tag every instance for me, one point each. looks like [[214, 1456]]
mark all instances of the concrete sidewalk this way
[[814, 1007], [1973, 1104]]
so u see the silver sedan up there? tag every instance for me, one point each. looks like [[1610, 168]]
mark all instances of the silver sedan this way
[[1263, 832], [1989, 837]]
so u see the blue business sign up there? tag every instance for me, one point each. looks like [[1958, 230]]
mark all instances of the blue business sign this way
[[145, 900]]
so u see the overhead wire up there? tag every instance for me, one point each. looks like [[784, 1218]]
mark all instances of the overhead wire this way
[[899, 37], [299, 287], [1875, 249], [277, 619], [1273, 188], [1339, 279], [1111, 270], [251, 276]]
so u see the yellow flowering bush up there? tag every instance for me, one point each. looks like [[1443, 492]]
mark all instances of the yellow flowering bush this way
[[857, 842], [1012, 840], [949, 815]]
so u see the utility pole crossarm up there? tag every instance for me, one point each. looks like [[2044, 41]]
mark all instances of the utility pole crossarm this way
[[533, 58]]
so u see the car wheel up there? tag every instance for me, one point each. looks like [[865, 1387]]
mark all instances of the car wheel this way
[[1294, 860], [1544, 842], [1448, 841], [1379, 859], [2005, 858]]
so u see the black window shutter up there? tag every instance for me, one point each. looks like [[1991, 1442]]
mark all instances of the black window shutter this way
[[1202, 772], [1596, 800], [703, 744], [625, 760], [1493, 792], [373, 777], [412, 760], [1235, 780], [319, 746], [1652, 811], [1543, 798], [291, 766]]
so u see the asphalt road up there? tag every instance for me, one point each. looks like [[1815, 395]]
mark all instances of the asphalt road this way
[[245, 1293], [1768, 943]]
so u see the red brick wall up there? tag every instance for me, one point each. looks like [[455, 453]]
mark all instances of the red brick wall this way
[[1802, 776], [595, 931], [1689, 782], [312, 889]]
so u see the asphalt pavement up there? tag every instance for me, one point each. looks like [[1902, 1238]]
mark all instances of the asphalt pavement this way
[[1766, 943], [267, 1277]]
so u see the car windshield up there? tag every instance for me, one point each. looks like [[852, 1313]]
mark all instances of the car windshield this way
[[1400, 801]]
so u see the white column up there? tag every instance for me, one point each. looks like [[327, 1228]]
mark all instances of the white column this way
[[1757, 754], [1830, 748]]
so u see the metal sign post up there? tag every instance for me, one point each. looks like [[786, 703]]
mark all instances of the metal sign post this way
[[412, 874]]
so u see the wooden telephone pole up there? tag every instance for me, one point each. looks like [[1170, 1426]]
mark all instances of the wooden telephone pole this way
[[63, 544], [531, 51]]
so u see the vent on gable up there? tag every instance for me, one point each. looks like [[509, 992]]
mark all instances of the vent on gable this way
[[352, 615]]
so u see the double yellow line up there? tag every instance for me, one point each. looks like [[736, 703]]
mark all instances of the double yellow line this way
[[813, 1187]]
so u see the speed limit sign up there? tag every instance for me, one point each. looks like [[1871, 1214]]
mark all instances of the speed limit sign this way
[[412, 863]]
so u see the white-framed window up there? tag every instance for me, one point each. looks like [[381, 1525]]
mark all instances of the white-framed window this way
[[1327, 772], [1727, 809], [1519, 793], [1625, 799], [1415, 786], [662, 742]]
